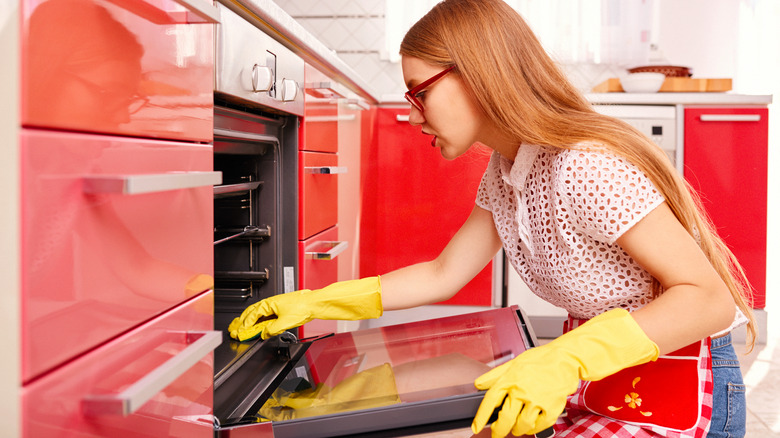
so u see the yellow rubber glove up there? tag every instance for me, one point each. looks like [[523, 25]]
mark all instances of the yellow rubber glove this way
[[537, 382], [345, 300], [368, 389]]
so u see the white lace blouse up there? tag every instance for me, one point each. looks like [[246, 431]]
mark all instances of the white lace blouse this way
[[559, 213]]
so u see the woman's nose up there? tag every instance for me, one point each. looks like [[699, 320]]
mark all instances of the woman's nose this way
[[416, 116]]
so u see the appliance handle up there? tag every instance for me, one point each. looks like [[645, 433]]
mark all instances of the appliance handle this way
[[325, 170], [133, 397], [336, 249], [402, 118], [730, 117], [149, 183], [240, 135]]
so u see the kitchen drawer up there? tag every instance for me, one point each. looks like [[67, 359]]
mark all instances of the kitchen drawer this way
[[318, 259], [318, 180], [321, 126], [318, 267], [132, 67], [99, 258], [154, 381]]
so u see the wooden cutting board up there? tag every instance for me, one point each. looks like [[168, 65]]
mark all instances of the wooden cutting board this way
[[678, 85]]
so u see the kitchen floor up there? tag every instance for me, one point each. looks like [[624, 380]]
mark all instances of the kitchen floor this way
[[761, 370]]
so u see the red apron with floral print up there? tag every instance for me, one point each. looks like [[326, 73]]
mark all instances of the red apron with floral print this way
[[671, 397]]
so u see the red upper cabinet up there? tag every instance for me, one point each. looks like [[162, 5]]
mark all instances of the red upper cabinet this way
[[414, 201], [129, 67], [726, 162]]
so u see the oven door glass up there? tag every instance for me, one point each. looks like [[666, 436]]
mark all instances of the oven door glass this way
[[383, 376]]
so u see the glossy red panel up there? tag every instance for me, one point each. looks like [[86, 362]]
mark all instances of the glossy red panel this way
[[414, 201], [137, 67], [316, 274], [726, 162], [57, 404], [320, 127], [318, 208], [97, 264]]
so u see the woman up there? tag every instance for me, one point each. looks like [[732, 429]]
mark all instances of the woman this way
[[593, 217]]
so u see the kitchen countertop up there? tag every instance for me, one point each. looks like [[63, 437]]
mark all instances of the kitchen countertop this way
[[654, 99], [728, 98]]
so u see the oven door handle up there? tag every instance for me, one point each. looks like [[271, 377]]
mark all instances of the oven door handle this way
[[133, 397], [336, 248], [149, 183]]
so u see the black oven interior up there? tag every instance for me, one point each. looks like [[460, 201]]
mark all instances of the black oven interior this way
[[255, 233]]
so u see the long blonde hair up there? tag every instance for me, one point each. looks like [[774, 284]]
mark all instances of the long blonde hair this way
[[518, 86]]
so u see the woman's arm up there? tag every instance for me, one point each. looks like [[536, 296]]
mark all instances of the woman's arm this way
[[469, 250], [696, 302]]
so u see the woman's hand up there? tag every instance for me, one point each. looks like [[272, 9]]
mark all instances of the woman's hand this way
[[531, 389]]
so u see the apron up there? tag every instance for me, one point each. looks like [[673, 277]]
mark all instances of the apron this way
[[671, 397]]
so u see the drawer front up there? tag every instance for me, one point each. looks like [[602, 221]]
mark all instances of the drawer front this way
[[97, 263], [82, 398], [319, 193], [134, 67], [321, 126], [318, 259], [318, 262]]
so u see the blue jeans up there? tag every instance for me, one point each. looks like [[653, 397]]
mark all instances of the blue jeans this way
[[729, 408]]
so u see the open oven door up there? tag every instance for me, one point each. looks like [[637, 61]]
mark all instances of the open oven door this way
[[397, 380]]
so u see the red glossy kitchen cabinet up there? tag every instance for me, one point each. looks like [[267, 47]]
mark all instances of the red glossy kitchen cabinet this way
[[113, 129], [129, 67], [319, 177], [112, 235], [120, 389], [726, 162], [414, 201]]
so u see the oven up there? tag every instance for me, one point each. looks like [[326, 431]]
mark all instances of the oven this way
[[394, 380]]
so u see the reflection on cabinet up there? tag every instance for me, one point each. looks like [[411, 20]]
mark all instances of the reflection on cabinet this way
[[726, 162], [116, 213], [414, 201]]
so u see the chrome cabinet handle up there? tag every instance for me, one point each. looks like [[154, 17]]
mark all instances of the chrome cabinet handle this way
[[339, 118], [730, 117], [151, 183], [326, 170], [151, 384], [336, 249], [202, 9]]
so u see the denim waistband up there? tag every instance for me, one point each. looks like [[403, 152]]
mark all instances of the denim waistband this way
[[721, 341]]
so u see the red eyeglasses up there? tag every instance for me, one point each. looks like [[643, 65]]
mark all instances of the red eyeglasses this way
[[411, 95]]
